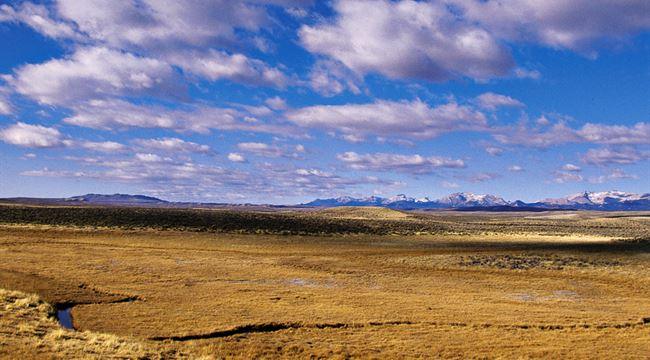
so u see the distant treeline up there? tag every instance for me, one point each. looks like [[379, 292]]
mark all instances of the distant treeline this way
[[209, 220]]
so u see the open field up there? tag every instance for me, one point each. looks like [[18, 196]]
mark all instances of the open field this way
[[339, 283]]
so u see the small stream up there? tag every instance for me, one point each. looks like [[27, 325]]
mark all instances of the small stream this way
[[64, 317]]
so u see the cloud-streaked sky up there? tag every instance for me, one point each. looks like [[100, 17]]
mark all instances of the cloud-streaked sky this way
[[283, 101]]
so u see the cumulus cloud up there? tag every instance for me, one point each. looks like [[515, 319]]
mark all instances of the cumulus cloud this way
[[236, 157], [639, 133], [189, 180], [119, 114], [330, 78], [449, 185], [159, 24], [103, 146], [40, 19], [414, 164], [181, 34], [260, 149], [521, 73], [276, 103], [93, 73], [483, 177], [492, 101], [614, 175], [32, 136], [5, 106], [494, 150], [521, 134], [174, 145], [216, 65], [390, 118], [547, 134], [571, 167], [462, 38], [608, 156], [373, 36], [112, 114], [574, 25], [562, 177]]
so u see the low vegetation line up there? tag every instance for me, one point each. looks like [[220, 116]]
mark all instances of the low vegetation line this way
[[199, 220]]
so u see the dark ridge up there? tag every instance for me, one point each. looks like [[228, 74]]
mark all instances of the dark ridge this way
[[208, 220], [115, 199]]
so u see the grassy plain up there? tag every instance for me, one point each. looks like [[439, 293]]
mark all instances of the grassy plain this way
[[337, 283]]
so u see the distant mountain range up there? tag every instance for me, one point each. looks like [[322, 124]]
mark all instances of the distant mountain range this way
[[115, 199], [607, 201], [462, 201]]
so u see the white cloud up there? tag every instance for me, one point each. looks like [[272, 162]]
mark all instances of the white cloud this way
[[492, 101], [160, 24], [414, 119], [374, 36], [330, 78], [276, 103], [527, 74], [515, 168], [187, 180], [94, 72], [571, 167], [216, 65], [562, 177], [5, 106], [616, 134], [32, 136], [414, 164], [556, 134], [545, 134], [574, 25], [483, 177], [494, 150], [150, 158], [121, 115], [39, 18], [260, 149], [607, 156], [615, 174], [236, 157], [449, 185], [103, 146], [174, 145], [165, 30]]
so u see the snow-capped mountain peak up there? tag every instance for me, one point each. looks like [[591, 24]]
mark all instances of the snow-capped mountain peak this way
[[605, 196], [471, 199], [596, 198], [399, 197], [604, 200]]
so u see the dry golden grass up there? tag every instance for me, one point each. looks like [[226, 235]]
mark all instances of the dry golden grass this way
[[364, 213], [484, 293], [28, 329]]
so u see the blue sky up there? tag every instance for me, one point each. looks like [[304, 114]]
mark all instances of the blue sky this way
[[284, 101]]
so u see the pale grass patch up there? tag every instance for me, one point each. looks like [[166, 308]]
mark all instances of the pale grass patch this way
[[34, 328]]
